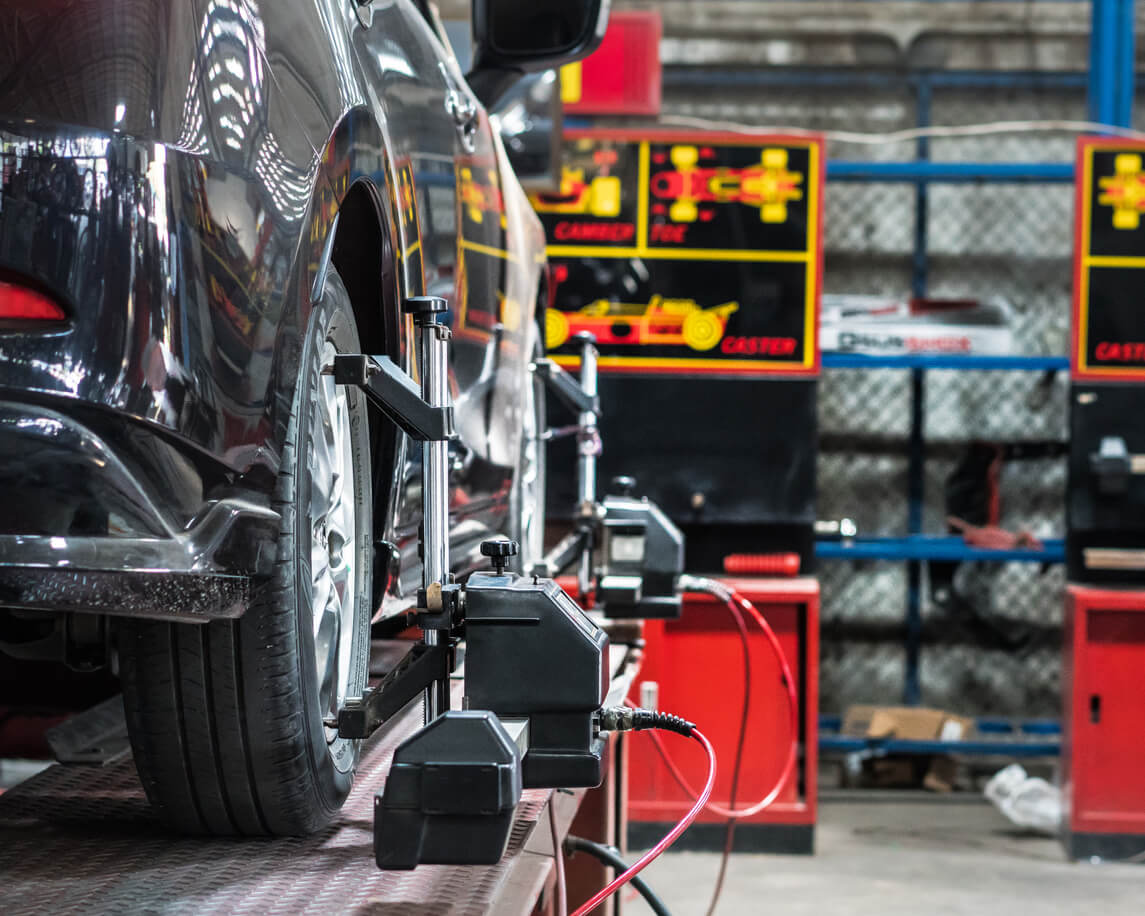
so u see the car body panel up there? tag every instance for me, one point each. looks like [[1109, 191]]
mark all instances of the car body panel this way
[[172, 173]]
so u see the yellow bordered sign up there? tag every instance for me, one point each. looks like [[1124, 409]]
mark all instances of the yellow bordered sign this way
[[687, 252], [1108, 335]]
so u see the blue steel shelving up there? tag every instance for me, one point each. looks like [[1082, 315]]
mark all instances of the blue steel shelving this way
[[941, 361], [1109, 85], [951, 172], [995, 737], [939, 548]]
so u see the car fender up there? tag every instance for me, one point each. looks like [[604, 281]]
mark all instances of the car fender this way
[[524, 284]]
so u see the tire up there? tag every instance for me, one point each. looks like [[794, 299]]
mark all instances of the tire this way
[[527, 498], [226, 719]]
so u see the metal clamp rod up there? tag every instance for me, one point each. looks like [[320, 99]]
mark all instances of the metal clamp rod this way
[[434, 354], [588, 449], [420, 668], [559, 432]]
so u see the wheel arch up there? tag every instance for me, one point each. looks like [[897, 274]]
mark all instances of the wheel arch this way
[[363, 253], [364, 245]]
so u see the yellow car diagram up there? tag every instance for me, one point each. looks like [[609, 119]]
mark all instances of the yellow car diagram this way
[[659, 321], [1124, 191]]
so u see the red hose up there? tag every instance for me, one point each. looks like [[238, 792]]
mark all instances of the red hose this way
[[793, 707], [702, 800], [671, 837]]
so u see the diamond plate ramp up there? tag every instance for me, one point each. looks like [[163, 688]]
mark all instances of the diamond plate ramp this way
[[83, 840]]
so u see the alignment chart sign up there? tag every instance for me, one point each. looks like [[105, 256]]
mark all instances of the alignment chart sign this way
[[687, 252], [1109, 260]]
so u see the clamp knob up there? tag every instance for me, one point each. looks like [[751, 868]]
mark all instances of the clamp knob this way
[[499, 551], [424, 309], [624, 486]]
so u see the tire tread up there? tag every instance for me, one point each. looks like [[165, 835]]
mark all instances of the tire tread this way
[[215, 711]]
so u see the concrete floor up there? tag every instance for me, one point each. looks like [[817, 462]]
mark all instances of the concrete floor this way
[[913, 854]]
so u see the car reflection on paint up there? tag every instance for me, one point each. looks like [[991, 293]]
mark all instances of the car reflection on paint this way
[[203, 204]]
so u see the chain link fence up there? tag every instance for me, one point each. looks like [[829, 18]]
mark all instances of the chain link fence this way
[[990, 632]]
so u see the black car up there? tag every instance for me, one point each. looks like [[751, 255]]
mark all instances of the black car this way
[[202, 202]]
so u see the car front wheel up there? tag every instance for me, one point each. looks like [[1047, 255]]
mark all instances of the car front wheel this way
[[227, 720]]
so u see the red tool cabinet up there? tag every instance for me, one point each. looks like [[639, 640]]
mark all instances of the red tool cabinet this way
[[1103, 748], [696, 663]]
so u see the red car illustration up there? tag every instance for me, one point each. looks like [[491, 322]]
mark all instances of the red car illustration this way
[[659, 321], [768, 186]]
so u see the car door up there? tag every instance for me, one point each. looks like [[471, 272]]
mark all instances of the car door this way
[[439, 137]]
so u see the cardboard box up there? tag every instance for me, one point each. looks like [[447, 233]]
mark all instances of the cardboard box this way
[[941, 775], [908, 723], [893, 772], [938, 773]]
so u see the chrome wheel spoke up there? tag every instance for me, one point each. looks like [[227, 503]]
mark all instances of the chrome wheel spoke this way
[[324, 467], [332, 512], [532, 475], [327, 643], [321, 582]]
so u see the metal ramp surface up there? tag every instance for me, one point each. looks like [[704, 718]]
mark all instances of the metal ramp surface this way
[[81, 839]]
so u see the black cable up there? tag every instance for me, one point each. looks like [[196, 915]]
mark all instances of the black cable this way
[[634, 718], [610, 856]]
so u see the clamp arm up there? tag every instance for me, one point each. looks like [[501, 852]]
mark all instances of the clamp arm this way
[[566, 552], [567, 388], [419, 668], [395, 394]]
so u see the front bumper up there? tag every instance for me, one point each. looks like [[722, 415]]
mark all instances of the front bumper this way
[[85, 528]]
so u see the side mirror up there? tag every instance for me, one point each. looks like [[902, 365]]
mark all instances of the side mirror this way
[[511, 38]]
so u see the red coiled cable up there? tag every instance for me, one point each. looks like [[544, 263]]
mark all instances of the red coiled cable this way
[[733, 598]]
